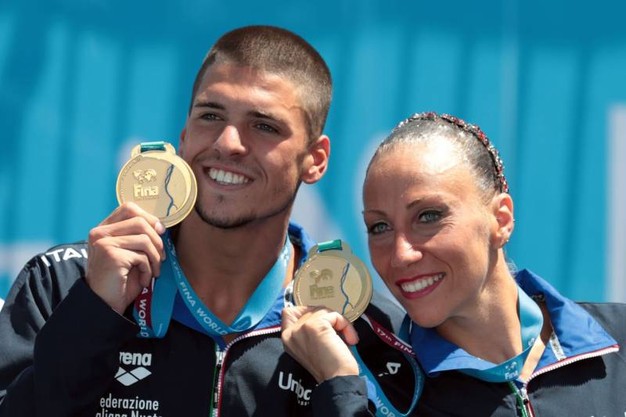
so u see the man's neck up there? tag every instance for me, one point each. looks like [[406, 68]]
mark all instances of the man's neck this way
[[225, 266]]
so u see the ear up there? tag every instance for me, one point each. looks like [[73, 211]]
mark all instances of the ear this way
[[316, 160], [181, 141], [505, 219]]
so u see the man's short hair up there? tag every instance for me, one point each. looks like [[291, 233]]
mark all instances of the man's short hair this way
[[277, 51]]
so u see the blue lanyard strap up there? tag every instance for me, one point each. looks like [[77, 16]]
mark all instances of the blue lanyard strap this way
[[531, 321], [384, 407], [153, 308]]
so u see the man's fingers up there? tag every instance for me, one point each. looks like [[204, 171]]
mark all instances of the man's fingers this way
[[141, 244], [131, 210], [136, 227]]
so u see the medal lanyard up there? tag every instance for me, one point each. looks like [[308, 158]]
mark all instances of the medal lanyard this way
[[531, 321], [153, 308], [383, 405]]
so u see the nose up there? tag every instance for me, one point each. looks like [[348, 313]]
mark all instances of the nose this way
[[230, 142], [404, 252]]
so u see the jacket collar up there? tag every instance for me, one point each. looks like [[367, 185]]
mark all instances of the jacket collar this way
[[301, 239], [576, 332]]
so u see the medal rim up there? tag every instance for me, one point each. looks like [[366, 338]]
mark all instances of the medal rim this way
[[169, 156], [346, 256]]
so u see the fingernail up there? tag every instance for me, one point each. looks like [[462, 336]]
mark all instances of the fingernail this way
[[160, 229]]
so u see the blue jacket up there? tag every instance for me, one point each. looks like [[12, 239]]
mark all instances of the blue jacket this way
[[581, 373], [64, 352]]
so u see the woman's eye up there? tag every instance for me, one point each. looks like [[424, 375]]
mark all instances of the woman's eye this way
[[378, 228], [430, 216]]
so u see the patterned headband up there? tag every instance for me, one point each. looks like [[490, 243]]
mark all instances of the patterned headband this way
[[474, 131]]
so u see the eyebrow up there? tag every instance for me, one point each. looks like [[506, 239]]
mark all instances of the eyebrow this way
[[265, 115], [381, 212], [414, 203], [209, 104]]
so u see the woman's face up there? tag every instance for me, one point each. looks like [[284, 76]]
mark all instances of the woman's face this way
[[430, 231]]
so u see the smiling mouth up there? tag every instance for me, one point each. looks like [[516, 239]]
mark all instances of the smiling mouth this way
[[226, 177], [421, 284]]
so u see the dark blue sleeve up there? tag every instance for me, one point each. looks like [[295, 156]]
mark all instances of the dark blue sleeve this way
[[59, 344], [344, 396]]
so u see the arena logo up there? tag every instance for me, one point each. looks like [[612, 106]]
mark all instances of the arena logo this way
[[140, 360]]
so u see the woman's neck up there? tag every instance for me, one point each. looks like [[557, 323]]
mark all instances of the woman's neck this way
[[493, 332], [490, 329]]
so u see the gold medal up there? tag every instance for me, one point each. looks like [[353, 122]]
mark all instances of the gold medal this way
[[159, 181], [334, 278]]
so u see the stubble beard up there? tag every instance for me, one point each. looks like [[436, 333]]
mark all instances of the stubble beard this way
[[225, 222]]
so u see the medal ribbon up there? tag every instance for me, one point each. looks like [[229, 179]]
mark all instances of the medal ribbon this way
[[383, 405], [531, 322], [153, 308], [153, 146]]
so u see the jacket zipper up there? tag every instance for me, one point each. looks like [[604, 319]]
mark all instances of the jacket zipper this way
[[218, 374], [219, 361], [573, 359], [523, 402], [521, 394]]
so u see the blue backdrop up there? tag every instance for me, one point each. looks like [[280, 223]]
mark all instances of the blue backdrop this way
[[81, 81]]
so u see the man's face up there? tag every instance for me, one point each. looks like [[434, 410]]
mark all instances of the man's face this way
[[246, 141]]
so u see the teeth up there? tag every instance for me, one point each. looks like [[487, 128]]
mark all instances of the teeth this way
[[419, 285], [225, 177]]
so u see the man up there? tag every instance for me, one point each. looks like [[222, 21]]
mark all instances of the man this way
[[252, 136]]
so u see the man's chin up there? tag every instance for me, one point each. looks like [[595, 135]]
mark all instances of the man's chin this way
[[222, 222]]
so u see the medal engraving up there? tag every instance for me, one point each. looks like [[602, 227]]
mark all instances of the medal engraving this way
[[335, 279], [160, 182]]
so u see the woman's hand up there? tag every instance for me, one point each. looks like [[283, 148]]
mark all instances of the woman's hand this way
[[317, 338]]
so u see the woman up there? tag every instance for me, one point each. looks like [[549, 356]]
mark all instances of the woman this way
[[492, 342]]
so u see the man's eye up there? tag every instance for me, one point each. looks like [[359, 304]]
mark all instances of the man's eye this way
[[210, 116], [378, 228], [267, 128]]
